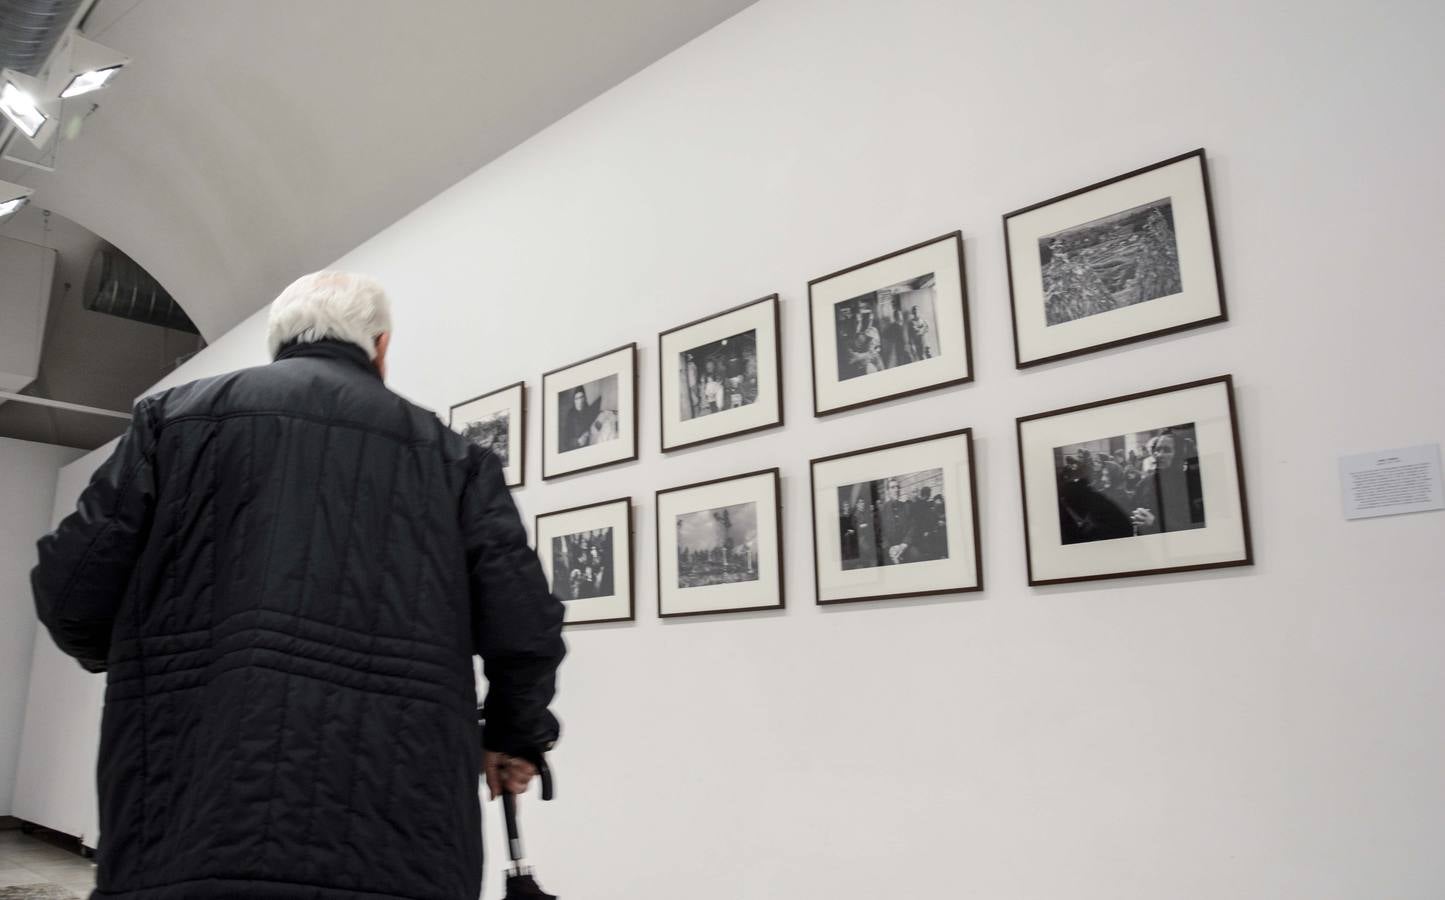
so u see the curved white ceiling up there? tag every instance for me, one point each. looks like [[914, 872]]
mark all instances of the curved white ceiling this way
[[251, 142]]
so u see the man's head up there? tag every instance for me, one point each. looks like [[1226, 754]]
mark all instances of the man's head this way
[[338, 306]]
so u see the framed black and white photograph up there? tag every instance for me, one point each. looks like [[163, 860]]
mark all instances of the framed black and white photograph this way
[[720, 546], [900, 520], [722, 376], [589, 413], [587, 555], [1136, 485], [498, 422], [890, 327], [1124, 260]]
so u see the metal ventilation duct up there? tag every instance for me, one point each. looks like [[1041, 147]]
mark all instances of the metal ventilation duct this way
[[30, 29], [117, 285]]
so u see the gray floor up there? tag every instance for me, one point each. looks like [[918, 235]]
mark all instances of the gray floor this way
[[48, 871]]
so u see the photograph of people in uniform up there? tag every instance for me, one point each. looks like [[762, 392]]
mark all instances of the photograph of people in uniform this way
[[893, 521]]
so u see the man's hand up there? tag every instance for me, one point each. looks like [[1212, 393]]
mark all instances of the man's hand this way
[[509, 773]]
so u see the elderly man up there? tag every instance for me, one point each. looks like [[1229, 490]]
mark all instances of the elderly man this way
[[285, 572]]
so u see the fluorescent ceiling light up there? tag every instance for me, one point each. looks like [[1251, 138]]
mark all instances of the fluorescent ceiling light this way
[[12, 198], [30, 104], [86, 82], [84, 66], [21, 108]]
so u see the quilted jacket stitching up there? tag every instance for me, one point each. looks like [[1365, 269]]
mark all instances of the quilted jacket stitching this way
[[259, 855], [391, 496], [365, 635], [288, 688], [366, 427], [207, 656], [122, 488]]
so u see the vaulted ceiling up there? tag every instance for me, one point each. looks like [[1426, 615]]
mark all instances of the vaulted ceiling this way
[[251, 142]]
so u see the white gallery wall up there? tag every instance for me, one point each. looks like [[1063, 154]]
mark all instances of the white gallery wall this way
[[1273, 731], [27, 484], [55, 772]]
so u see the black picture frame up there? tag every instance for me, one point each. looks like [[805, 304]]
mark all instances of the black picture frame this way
[[521, 432], [664, 371], [631, 555], [977, 542], [1124, 340], [782, 603], [632, 428], [1236, 458], [966, 328]]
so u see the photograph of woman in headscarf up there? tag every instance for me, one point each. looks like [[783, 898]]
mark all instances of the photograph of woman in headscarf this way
[[587, 414]]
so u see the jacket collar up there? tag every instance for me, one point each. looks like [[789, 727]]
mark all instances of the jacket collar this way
[[339, 351]]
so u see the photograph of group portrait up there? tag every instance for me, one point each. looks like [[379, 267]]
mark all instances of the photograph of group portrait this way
[[586, 553], [1135, 485], [590, 414], [582, 564], [900, 520], [721, 376], [890, 327]]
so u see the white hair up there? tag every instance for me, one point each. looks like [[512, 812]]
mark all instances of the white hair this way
[[339, 306]]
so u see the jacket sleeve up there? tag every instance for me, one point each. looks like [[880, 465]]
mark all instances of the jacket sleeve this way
[[516, 622], [86, 563]]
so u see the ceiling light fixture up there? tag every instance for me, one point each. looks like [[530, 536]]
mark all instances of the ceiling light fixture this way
[[84, 66], [20, 102], [12, 198]]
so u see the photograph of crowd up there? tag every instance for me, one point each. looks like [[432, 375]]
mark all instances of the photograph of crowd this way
[[1130, 485], [886, 328], [893, 521], [491, 432], [582, 564], [587, 414], [1120, 260], [718, 376], [717, 546]]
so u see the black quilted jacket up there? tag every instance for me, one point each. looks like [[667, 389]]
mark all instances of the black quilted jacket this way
[[285, 572]]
